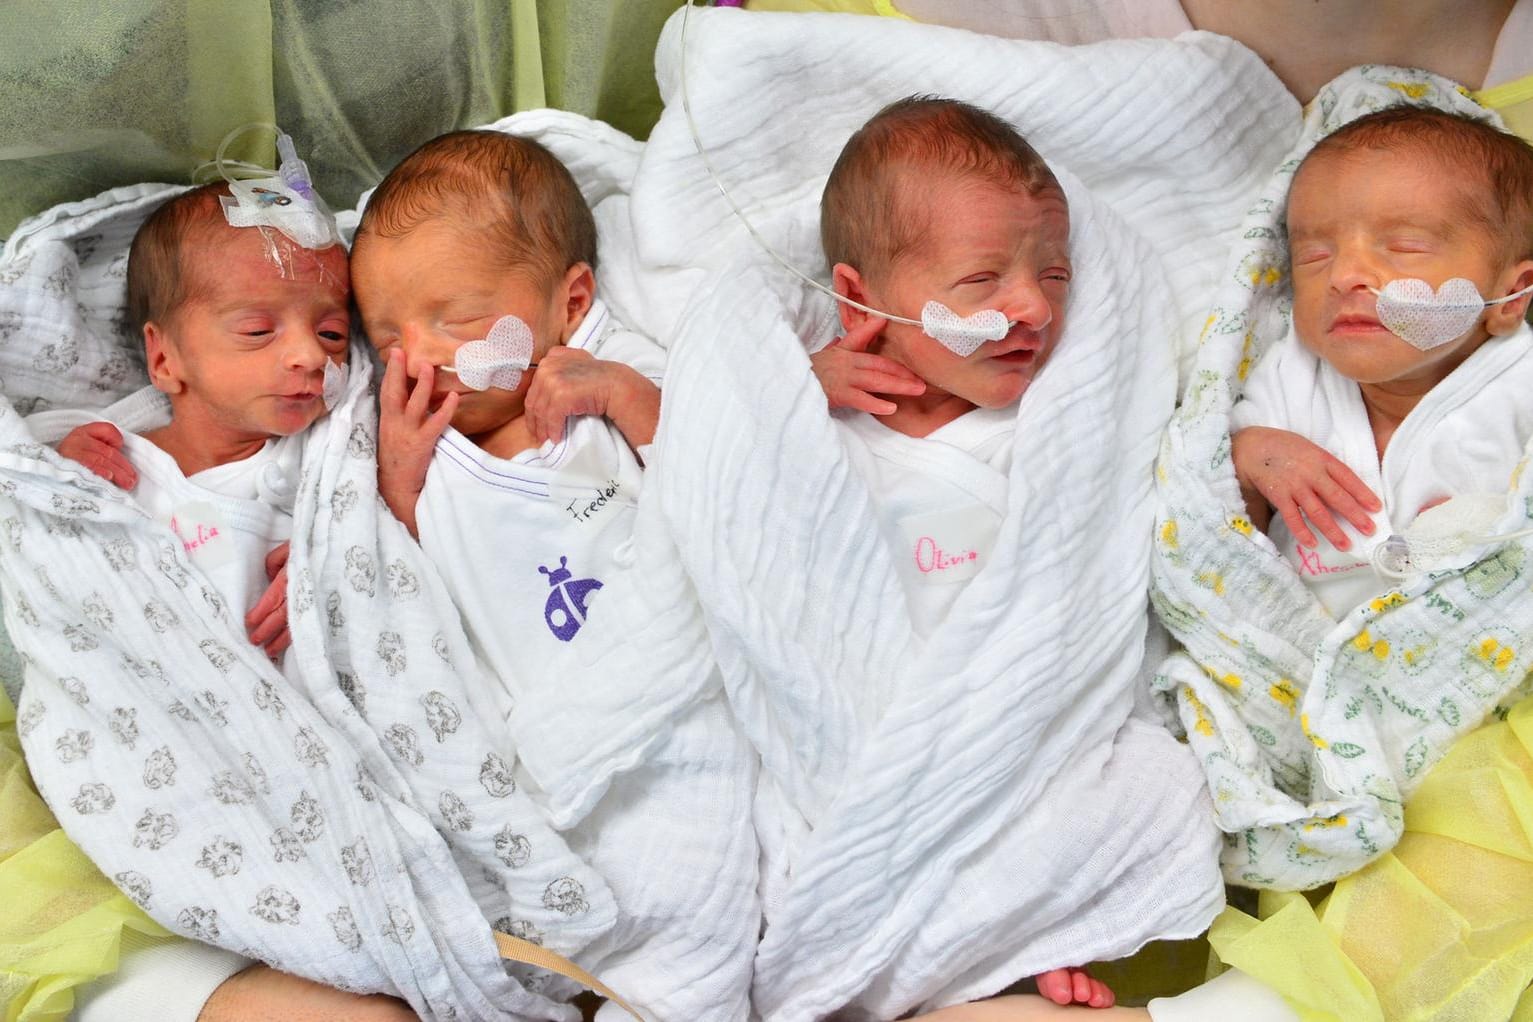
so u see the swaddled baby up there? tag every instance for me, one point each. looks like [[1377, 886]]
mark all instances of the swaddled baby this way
[[936, 200], [1347, 418], [239, 325], [514, 411]]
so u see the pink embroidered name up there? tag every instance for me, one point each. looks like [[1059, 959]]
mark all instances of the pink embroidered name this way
[[1309, 564], [930, 557], [203, 535]]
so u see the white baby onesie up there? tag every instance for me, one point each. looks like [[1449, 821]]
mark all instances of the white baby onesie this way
[[524, 543], [228, 517], [1463, 439], [940, 500], [525, 546]]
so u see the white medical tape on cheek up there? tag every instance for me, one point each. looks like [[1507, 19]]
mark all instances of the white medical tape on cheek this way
[[962, 335], [498, 360], [334, 387], [1426, 319]]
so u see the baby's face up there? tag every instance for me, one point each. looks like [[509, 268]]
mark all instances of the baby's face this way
[[1360, 219], [432, 291], [246, 354], [987, 247]]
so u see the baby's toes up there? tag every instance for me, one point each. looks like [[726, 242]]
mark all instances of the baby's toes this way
[[1056, 985]]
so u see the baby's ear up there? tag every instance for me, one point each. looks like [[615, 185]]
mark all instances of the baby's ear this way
[[579, 291], [162, 359], [1507, 317], [848, 283]]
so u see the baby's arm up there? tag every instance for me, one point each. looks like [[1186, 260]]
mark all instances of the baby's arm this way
[[1283, 471], [850, 376], [98, 446], [570, 381], [407, 434]]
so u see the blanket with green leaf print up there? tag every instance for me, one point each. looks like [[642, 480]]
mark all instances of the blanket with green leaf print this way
[[1313, 732]]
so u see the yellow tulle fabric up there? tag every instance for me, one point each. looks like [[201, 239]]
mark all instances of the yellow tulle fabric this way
[[882, 8], [61, 923], [1514, 102], [1441, 928]]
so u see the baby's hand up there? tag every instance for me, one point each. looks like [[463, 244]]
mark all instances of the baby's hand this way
[[1295, 475], [569, 381], [98, 446], [267, 621], [850, 376], [1073, 986], [407, 434]]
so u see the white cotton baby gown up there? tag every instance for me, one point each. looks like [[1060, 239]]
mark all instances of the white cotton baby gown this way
[[1464, 438], [526, 546]]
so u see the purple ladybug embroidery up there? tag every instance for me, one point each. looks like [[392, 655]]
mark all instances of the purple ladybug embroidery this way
[[565, 610]]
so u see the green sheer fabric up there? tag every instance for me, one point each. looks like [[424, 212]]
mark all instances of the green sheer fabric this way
[[105, 94]]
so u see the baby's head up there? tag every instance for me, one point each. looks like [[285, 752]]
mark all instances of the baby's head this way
[[238, 343], [1407, 193], [474, 226], [937, 200]]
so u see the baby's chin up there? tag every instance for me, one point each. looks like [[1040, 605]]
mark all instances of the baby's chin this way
[[1000, 396], [292, 422]]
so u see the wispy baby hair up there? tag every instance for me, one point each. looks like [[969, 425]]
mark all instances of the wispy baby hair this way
[[159, 279], [1466, 148], [511, 189], [864, 218]]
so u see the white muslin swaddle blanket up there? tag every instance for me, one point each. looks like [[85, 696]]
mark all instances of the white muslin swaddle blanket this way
[[914, 853]]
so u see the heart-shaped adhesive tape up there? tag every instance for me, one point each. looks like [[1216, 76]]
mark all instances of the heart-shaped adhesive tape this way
[[499, 360], [962, 335], [1425, 319]]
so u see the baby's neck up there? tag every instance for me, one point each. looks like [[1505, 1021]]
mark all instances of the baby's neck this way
[[926, 413], [197, 450], [1389, 403], [508, 440]]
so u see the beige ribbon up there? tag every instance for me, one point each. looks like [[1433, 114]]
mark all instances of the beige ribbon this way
[[516, 949]]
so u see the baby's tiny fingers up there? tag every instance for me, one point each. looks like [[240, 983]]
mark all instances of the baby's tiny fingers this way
[[1344, 504], [883, 383], [1296, 524], [865, 402], [879, 363], [1354, 486], [420, 394], [391, 392], [272, 624], [1320, 516], [442, 417], [277, 646]]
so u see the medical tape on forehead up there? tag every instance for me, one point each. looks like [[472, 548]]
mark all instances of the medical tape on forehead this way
[[1427, 319], [282, 201], [962, 335]]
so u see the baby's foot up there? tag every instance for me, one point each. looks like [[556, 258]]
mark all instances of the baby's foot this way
[[1072, 985]]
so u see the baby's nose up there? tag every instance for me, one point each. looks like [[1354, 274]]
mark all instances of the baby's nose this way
[[307, 351], [1353, 268], [1028, 305], [423, 348]]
